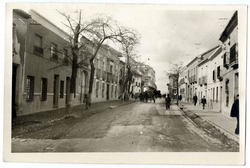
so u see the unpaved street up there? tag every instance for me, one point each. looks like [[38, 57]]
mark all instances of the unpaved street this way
[[137, 127]]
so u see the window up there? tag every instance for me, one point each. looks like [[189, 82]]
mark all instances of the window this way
[[61, 89], [30, 84], [213, 75], [44, 84], [103, 88], [54, 55], [233, 53], [38, 50], [217, 90], [120, 72], [112, 90], [111, 68], [97, 89], [227, 92], [65, 57], [115, 91], [213, 94], [218, 71]]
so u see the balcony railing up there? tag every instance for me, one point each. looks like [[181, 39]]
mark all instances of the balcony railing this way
[[233, 60], [204, 80], [200, 81], [38, 51]]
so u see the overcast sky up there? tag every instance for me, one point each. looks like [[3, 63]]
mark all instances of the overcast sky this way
[[168, 33]]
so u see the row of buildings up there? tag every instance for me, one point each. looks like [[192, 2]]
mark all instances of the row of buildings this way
[[41, 68], [214, 73]]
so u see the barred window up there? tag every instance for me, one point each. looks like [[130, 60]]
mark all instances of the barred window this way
[[30, 84]]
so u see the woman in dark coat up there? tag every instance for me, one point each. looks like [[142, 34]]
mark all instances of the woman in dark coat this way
[[235, 113], [204, 102]]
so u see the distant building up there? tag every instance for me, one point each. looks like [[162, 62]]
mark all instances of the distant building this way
[[204, 71], [172, 86]]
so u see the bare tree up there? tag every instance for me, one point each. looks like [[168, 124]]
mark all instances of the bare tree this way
[[104, 29], [83, 52], [129, 42], [176, 71]]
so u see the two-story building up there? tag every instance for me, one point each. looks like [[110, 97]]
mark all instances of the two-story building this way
[[214, 85], [39, 83], [230, 72], [203, 75]]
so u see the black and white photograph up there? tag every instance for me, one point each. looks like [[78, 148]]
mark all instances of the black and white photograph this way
[[125, 83]]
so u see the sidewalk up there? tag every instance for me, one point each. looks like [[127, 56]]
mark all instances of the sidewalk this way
[[222, 122], [58, 114]]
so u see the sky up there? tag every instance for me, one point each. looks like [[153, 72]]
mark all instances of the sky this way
[[169, 34]]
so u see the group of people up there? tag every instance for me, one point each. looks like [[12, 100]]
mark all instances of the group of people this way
[[203, 101], [144, 97]]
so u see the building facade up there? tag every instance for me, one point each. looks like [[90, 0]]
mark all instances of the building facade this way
[[214, 74], [37, 84], [230, 72]]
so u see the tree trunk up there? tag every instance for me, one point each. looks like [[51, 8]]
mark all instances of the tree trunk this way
[[91, 81], [69, 105], [177, 91]]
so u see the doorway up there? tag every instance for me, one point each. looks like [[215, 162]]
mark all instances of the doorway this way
[[107, 92], [14, 72], [56, 91], [67, 90]]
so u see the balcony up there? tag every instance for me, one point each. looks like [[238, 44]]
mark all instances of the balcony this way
[[181, 81], [104, 75], [204, 80], [98, 74], [54, 57], [233, 60], [65, 61], [195, 79], [116, 79], [219, 76], [226, 60], [38, 51], [200, 81], [109, 77]]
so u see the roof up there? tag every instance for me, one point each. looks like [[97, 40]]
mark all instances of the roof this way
[[216, 52], [22, 13], [230, 27], [207, 54], [48, 24]]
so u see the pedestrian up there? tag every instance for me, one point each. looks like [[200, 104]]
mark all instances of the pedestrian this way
[[235, 113], [195, 98], [154, 98], [168, 100], [146, 96], [203, 101], [180, 97]]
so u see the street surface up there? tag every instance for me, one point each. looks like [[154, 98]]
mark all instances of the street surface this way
[[136, 127]]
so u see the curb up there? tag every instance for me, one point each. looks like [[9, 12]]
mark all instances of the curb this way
[[223, 131]]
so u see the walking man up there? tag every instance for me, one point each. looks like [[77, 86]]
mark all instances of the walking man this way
[[168, 100], [203, 101], [235, 113], [195, 99]]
